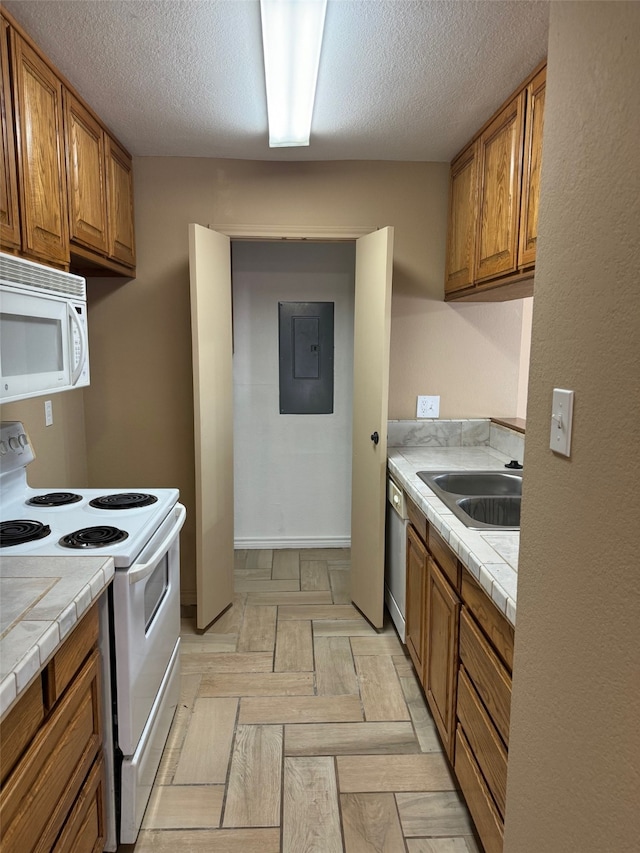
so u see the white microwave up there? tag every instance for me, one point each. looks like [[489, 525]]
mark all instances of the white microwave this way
[[44, 346]]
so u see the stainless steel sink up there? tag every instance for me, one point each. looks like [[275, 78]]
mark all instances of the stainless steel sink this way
[[480, 499]]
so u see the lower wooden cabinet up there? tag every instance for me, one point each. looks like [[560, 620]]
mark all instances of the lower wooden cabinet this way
[[53, 790], [462, 648]]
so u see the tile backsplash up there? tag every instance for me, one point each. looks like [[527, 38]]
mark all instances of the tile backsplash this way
[[469, 432]]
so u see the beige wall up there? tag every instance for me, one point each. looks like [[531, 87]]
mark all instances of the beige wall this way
[[139, 407], [61, 455], [574, 758]]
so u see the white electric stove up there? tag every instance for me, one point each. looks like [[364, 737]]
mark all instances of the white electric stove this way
[[140, 530]]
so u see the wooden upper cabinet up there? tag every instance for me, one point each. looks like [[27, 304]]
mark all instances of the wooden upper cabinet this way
[[120, 204], [531, 172], [461, 232], [39, 122], [86, 178], [500, 155], [9, 211]]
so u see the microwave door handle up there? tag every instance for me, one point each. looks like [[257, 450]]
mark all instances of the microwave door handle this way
[[75, 374], [139, 571]]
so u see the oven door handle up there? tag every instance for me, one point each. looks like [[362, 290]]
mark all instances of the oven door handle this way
[[139, 571]]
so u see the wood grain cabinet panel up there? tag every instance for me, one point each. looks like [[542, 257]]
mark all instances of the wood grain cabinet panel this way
[[485, 815], [416, 597], [63, 666], [534, 126], [495, 625], [442, 617], [84, 830], [86, 176], [500, 167], [39, 121], [9, 211], [19, 727], [461, 232], [120, 204]]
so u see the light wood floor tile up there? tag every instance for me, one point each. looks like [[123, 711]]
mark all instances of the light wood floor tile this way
[[314, 575], [464, 844], [259, 559], [335, 671], [257, 684], [371, 773], [340, 583], [203, 663], [206, 841], [240, 559], [288, 598], [350, 739], [403, 666], [294, 647], [299, 709], [208, 643], [371, 824], [339, 565], [310, 820], [386, 644], [286, 565], [342, 554], [253, 791], [433, 814], [380, 689], [423, 723], [205, 752], [231, 619], [258, 632], [318, 610], [343, 628], [249, 585], [184, 807], [253, 574]]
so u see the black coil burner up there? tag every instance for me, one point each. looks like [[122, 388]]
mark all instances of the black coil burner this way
[[123, 500], [55, 499], [93, 537], [20, 531]]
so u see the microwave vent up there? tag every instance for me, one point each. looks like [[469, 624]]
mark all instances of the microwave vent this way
[[22, 273]]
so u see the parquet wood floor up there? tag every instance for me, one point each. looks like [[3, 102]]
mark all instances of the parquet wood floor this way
[[300, 728]]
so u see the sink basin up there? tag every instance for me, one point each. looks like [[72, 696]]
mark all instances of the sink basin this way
[[480, 499], [475, 482]]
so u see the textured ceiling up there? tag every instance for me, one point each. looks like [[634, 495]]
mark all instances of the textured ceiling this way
[[398, 79]]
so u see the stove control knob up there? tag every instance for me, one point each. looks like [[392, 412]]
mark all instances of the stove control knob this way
[[24, 441], [13, 443], [3, 448]]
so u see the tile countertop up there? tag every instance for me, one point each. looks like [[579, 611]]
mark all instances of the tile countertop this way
[[41, 599], [491, 556]]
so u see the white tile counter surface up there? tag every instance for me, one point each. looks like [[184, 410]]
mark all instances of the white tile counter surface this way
[[490, 555], [41, 599]]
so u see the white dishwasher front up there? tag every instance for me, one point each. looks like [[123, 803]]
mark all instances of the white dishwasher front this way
[[395, 580]]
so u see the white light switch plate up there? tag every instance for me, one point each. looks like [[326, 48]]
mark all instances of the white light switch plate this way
[[561, 421], [48, 413], [428, 407]]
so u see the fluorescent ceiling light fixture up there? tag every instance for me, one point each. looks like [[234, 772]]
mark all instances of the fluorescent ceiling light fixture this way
[[292, 39]]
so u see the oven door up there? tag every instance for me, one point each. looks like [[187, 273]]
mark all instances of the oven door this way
[[147, 627]]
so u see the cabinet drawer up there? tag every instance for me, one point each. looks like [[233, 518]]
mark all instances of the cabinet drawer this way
[[485, 816], [489, 676], [67, 661], [32, 809], [445, 557], [418, 519], [19, 727], [84, 831], [484, 741], [493, 623]]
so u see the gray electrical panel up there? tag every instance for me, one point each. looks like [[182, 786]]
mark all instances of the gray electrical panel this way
[[306, 358]]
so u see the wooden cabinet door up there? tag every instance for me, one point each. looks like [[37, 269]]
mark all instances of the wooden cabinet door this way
[[86, 179], [534, 124], [120, 204], [43, 194], [416, 579], [9, 212], [442, 622], [500, 158], [461, 231]]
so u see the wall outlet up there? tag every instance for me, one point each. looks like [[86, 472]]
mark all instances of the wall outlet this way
[[48, 413], [428, 407]]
